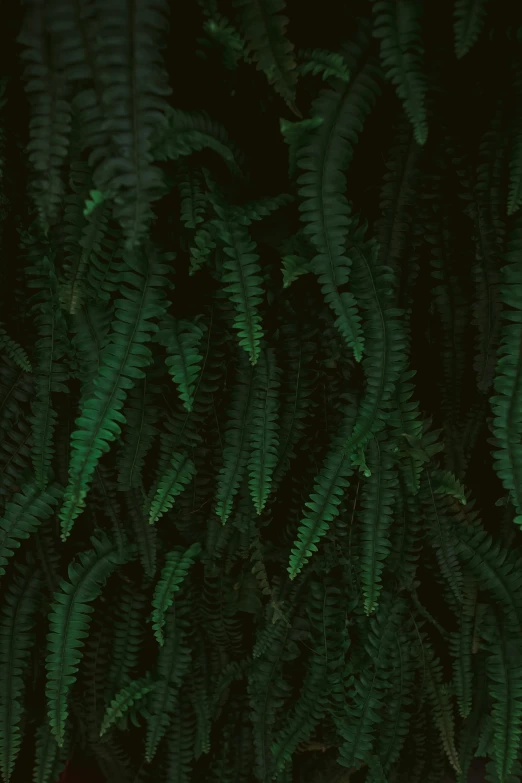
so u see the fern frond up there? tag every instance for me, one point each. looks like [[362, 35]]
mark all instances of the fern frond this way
[[221, 33], [180, 133], [468, 21], [319, 61], [324, 209], [264, 437], [237, 440], [50, 123], [182, 339], [172, 575], [377, 509], [128, 634], [69, 622], [121, 363], [170, 484], [23, 514], [124, 699], [142, 415], [264, 27], [515, 152], [505, 686], [385, 341], [330, 485], [440, 696], [14, 351], [128, 45], [50, 760], [51, 372], [21, 601], [397, 24], [507, 402], [244, 287], [174, 661], [461, 645]]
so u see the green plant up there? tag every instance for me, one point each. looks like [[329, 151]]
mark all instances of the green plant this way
[[261, 390]]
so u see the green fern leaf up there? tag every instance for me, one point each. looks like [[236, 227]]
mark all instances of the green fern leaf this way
[[128, 45], [124, 700], [244, 285], [293, 267], [377, 503], [328, 64], [264, 436], [182, 339], [23, 514], [50, 124], [14, 351], [121, 364], [50, 760], [295, 134], [237, 440], [142, 415], [69, 622], [324, 208], [505, 686], [397, 24], [21, 601], [445, 483], [469, 18], [461, 646], [174, 661], [264, 28], [507, 402], [180, 133], [330, 485], [222, 34], [515, 152], [172, 575], [385, 341], [170, 484], [440, 697]]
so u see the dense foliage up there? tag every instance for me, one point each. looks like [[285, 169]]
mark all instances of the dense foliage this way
[[261, 390]]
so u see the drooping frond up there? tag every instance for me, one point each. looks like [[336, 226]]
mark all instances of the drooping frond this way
[[14, 351], [128, 44], [237, 441], [182, 340], [51, 371], [507, 402], [264, 27], [173, 664], [264, 436], [51, 112], [469, 18], [124, 699], [23, 514], [376, 517], [323, 505], [21, 602], [181, 133], [385, 341], [324, 208], [121, 363], [179, 473], [243, 284], [328, 64], [175, 570], [69, 624], [515, 153], [398, 25], [505, 686]]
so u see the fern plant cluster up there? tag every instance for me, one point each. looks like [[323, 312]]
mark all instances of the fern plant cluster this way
[[261, 390]]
